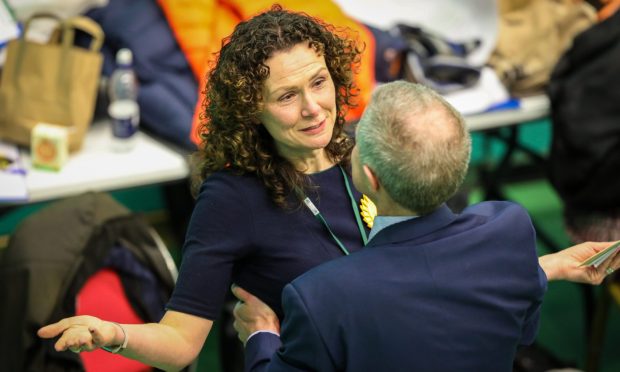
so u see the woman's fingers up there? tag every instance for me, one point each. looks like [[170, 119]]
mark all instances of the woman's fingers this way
[[77, 338], [78, 333]]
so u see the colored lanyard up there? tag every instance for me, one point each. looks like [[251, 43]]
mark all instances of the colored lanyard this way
[[317, 214]]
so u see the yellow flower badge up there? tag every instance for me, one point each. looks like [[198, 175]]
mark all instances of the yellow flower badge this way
[[368, 211]]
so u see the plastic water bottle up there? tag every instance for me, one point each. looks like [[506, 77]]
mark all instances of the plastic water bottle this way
[[124, 110]]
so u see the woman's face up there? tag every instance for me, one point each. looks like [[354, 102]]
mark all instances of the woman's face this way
[[299, 102]]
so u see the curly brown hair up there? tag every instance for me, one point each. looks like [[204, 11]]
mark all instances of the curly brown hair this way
[[231, 136]]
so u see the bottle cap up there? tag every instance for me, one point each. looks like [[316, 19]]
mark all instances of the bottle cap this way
[[124, 57]]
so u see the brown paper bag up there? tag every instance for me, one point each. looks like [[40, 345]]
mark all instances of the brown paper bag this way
[[532, 36], [54, 83]]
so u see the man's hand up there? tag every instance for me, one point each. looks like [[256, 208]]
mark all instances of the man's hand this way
[[252, 315], [80, 333], [564, 265]]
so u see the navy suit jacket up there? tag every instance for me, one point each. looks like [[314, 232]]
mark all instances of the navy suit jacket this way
[[442, 292]]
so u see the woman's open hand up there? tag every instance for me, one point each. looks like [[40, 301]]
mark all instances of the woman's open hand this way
[[80, 333]]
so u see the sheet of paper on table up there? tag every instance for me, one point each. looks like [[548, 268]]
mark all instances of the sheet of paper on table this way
[[12, 174]]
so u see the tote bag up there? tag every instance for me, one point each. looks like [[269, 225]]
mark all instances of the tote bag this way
[[54, 83]]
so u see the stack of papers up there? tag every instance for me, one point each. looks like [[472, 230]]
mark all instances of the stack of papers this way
[[601, 256], [12, 174]]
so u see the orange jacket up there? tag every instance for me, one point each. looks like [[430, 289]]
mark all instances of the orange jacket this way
[[200, 25]]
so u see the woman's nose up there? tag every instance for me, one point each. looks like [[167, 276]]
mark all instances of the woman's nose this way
[[310, 106]]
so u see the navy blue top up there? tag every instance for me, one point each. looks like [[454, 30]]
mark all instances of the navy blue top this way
[[237, 234]]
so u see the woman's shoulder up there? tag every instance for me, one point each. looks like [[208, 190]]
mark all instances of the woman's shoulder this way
[[230, 174], [230, 180], [234, 192]]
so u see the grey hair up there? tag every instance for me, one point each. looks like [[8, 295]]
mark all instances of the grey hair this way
[[395, 137]]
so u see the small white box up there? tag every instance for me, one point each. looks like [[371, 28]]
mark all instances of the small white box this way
[[49, 146]]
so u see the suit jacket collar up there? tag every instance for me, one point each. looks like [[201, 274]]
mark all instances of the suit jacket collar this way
[[414, 228]]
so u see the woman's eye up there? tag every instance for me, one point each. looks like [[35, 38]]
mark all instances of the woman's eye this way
[[319, 82], [286, 97]]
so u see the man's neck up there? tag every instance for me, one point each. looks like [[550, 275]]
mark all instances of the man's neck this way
[[386, 206]]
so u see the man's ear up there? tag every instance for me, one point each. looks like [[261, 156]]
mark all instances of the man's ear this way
[[373, 180]]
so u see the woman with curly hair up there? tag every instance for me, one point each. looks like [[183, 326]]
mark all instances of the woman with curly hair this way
[[275, 198]]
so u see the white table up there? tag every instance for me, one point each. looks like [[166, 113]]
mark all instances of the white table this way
[[530, 109], [97, 168]]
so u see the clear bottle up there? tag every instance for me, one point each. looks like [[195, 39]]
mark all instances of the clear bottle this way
[[124, 110]]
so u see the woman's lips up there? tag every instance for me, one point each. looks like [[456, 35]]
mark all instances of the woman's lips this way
[[314, 129]]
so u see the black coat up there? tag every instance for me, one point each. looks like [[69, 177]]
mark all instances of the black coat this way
[[584, 90]]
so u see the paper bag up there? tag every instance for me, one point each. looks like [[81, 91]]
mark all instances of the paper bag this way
[[54, 83]]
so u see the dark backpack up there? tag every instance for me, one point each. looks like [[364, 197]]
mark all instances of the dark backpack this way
[[50, 256], [584, 91]]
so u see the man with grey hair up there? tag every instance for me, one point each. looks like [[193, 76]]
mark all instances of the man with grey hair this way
[[432, 290], [416, 144]]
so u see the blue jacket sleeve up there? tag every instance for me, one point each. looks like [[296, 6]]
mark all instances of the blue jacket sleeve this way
[[259, 350], [302, 348]]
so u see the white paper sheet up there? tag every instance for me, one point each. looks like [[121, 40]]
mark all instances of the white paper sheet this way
[[12, 174]]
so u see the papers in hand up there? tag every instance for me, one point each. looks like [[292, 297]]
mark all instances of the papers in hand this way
[[601, 256]]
